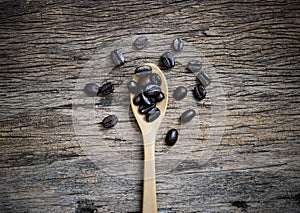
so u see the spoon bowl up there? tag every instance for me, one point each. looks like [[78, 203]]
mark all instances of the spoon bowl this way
[[149, 132]]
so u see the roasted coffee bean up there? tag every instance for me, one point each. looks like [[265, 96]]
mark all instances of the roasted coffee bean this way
[[168, 60], [194, 66], [143, 109], [91, 89], [133, 87], [180, 93], [159, 97], [143, 70], [177, 44], [171, 137], [152, 90], [117, 57], [144, 81], [204, 78], [187, 115], [155, 79], [146, 100], [137, 100], [199, 92], [110, 121], [153, 114], [140, 42], [106, 89]]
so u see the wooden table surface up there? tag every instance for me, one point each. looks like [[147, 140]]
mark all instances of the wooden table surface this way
[[239, 154]]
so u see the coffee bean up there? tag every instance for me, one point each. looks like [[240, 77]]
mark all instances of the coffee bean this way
[[105, 89], [152, 90], [171, 137], [180, 93], [144, 81], [155, 79], [159, 97], [91, 89], [168, 60], [177, 44], [199, 92], [140, 42], [143, 70], [194, 66], [117, 57], [145, 99], [143, 109], [204, 78], [137, 100], [133, 87], [110, 121], [187, 115], [153, 114]]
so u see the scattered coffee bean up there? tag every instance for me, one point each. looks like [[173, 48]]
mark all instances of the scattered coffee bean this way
[[199, 92], [140, 42], [177, 44], [153, 114], [137, 100], [204, 78], [133, 87], [105, 89], [159, 97], [187, 115], [91, 89], [143, 109], [180, 93], [155, 79], [117, 57], [110, 121], [171, 137], [152, 90], [194, 66], [168, 60], [143, 70]]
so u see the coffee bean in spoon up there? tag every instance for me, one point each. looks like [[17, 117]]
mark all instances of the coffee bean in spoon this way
[[143, 81], [152, 90], [153, 114], [133, 87], [155, 79], [143, 109], [159, 97], [143, 70]]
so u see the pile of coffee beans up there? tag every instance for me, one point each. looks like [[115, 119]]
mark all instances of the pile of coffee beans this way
[[147, 92]]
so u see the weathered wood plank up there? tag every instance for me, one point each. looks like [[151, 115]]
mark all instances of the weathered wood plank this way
[[47, 50]]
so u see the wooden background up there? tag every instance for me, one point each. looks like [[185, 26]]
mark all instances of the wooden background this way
[[252, 46]]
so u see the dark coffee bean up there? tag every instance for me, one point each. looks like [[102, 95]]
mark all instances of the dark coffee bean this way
[[144, 81], [168, 60], [159, 97], [140, 42], [110, 121], [155, 79], [137, 100], [204, 78], [199, 92], [152, 90], [143, 109], [180, 93], [143, 70], [171, 137], [106, 89], [194, 66], [91, 89], [133, 87], [153, 114], [177, 44], [145, 99], [117, 57], [187, 115]]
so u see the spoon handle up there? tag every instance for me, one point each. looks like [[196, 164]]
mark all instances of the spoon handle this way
[[149, 194]]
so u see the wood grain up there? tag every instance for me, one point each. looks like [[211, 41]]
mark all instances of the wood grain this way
[[252, 47]]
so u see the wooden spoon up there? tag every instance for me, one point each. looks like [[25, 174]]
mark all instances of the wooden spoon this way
[[149, 131]]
